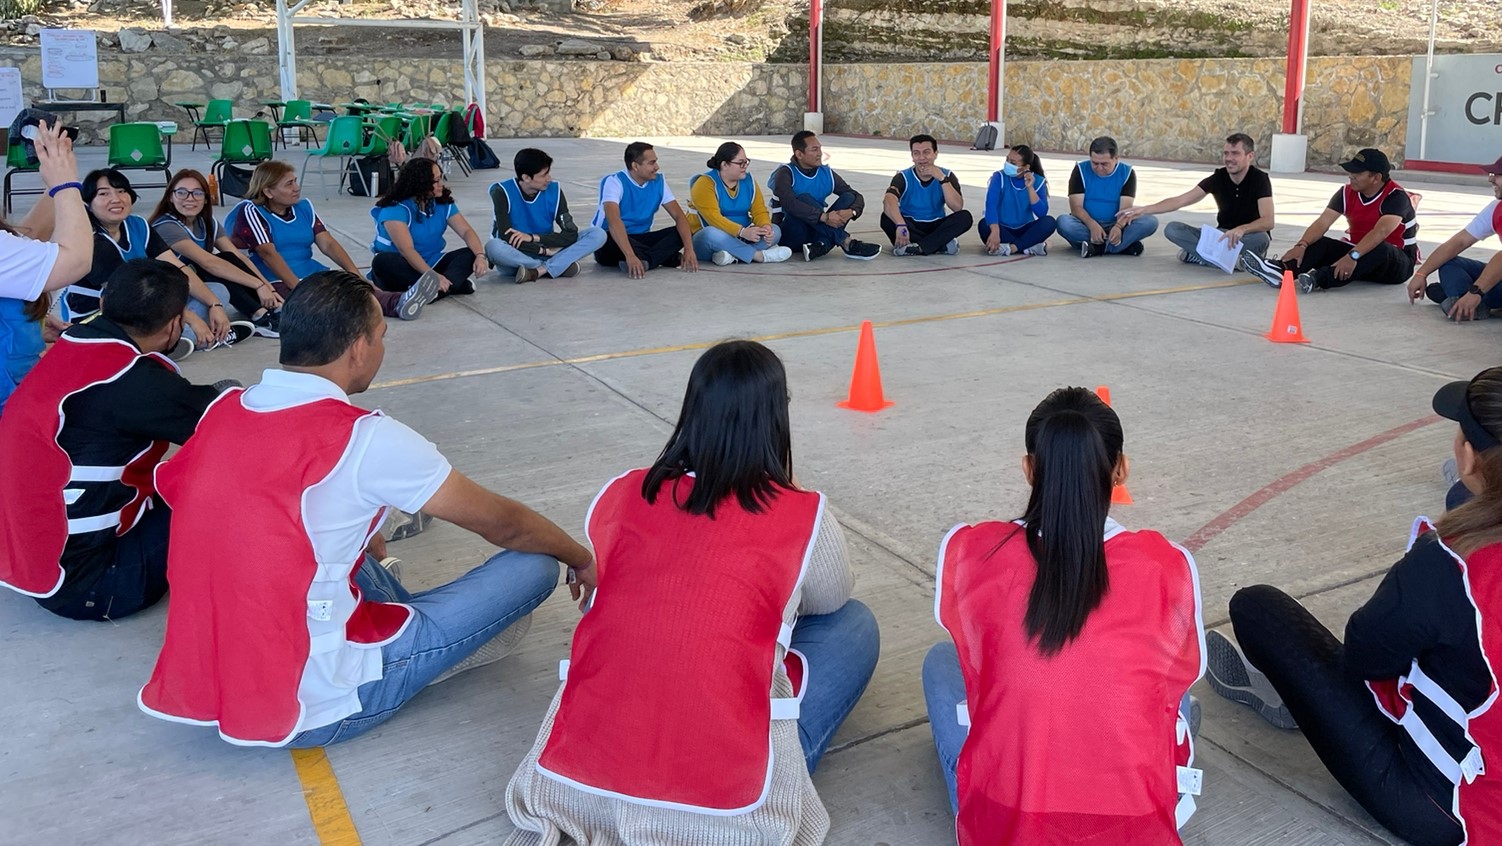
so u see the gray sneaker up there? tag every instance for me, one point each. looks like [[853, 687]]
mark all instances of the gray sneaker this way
[[1234, 677], [421, 292], [1039, 249], [952, 248], [1192, 258], [491, 651], [1261, 268], [1307, 282], [1482, 312]]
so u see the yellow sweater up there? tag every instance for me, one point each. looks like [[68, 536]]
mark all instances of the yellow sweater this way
[[707, 203]]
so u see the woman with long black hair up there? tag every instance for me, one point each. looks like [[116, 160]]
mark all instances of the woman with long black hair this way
[[722, 649], [410, 219], [1403, 712], [1060, 710]]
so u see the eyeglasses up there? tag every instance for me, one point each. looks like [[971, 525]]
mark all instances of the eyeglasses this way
[[739, 162], [185, 194]]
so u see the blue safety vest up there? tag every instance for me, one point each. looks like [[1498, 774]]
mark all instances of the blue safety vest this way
[[426, 228], [1103, 193], [535, 216], [735, 208], [293, 239], [638, 202], [819, 186], [923, 203]]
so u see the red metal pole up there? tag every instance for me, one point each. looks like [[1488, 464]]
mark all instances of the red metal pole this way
[[1298, 51], [815, 51], [993, 77]]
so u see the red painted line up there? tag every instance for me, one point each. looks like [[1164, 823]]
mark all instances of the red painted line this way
[[1235, 513]]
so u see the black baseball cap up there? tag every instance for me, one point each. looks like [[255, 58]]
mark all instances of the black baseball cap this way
[[1368, 160], [1453, 401]]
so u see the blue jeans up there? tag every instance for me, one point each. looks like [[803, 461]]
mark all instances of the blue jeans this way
[[503, 255], [1457, 496], [202, 310], [1457, 275], [841, 649], [797, 232], [944, 690], [711, 239], [1076, 232], [1032, 234], [448, 623]]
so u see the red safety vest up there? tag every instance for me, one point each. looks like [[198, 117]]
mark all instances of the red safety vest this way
[[37, 477], [667, 699], [1477, 800], [1086, 746], [1362, 215], [1497, 219], [242, 627]]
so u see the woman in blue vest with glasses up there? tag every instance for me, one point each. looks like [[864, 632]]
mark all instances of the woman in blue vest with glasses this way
[[411, 220], [735, 225]]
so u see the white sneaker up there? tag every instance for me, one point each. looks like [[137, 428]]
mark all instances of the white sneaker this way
[[722, 258], [1003, 250], [1039, 249], [952, 248], [772, 255], [491, 651]]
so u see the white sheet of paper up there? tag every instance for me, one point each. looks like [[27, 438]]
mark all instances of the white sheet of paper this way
[[1214, 249]]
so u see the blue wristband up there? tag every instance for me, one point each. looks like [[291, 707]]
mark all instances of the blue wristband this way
[[52, 192]]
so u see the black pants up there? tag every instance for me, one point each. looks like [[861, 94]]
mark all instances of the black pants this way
[[655, 249], [392, 273], [241, 298], [136, 579], [1371, 756], [934, 235], [1385, 264]]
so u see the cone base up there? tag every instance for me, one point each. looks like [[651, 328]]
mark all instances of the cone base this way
[[1119, 496], [853, 407], [1284, 339]]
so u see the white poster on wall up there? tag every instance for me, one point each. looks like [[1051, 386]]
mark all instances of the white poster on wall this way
[[10, 95], [1465, 110], [70, 58]]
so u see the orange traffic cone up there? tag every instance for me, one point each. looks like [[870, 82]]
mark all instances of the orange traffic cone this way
[[1287, 329], [865, 381], [1119, 494]]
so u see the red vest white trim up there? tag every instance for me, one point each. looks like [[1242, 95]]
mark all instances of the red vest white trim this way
[[696, 605], [1362, 216], [249, 622], [1113, 773], [1477, 801], [1497, 219], [37, 476]]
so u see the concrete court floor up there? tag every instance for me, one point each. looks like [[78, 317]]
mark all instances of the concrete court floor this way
[[1299, 466]]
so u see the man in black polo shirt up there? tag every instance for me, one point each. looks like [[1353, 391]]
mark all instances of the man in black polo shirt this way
[[81, 529], [1243, 196]]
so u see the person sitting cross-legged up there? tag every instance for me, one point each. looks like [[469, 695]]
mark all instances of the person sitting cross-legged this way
[[1468, 288], [533, 234], [814, 205], [734, 224], [914, 208], [1100, 189], [83, 530], [629, 200], [411, 219], [1017, 218], [328, 643]]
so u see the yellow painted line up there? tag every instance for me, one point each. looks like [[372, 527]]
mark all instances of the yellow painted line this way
[[802, 333], [320, 789]]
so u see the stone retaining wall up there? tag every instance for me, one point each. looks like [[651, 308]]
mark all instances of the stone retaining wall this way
[[1160, 108], [1167, 108]]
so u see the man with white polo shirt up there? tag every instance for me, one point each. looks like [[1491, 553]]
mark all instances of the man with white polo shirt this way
[[300, 638], [1467, 288], [629, 200]]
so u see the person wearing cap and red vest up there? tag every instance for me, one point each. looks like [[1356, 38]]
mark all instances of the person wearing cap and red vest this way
[[301, 638], [81, 528], [722, 650], [1381, 242], [1403, 713], [1467, 288], [1061, 712]]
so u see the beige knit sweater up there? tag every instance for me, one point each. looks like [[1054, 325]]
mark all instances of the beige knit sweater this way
[[548, 813]]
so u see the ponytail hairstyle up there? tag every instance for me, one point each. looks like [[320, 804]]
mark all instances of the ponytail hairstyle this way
[[1478, 522], [1033, 161], [724, 154], [1074, 440]]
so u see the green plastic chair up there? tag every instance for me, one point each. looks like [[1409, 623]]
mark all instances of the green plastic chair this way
[[298, 115], [444, 132], [418, 128], [382, 133], [15, 163], [138, 146], [344, 140], [243, 142], [215, 115]]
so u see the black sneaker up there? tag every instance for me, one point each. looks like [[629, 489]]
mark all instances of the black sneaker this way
[[1434, 292], [413, 525], [1268, 271], [239, 330], [268, 325], [181, 350], [1133, 249], [817, 249], [861, 250], [1090, 249], [673, 260]]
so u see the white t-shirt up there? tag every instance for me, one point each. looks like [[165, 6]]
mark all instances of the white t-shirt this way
[[612, 191], [1481, 226], [385, 464], [25, 264]]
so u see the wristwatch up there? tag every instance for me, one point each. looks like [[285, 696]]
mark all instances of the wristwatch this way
[[1476, 289], [1355, 255]]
